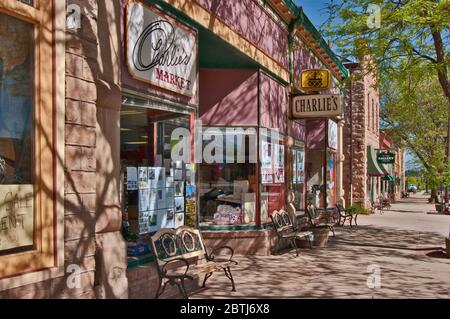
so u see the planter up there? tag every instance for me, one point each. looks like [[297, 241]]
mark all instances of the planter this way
[[319, 238], [447, 245]]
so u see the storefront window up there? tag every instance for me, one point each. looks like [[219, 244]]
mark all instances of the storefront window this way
[[157, 189], [27, 144], [298, 175], [272, 173], [228, 177], [17, 216]]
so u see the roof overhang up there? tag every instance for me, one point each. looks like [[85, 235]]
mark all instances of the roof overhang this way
[[286, 9], [315, 41]]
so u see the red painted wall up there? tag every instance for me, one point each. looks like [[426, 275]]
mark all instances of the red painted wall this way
[[298, 130], [250, 20], [228, 97], [274, 103], [315, 138]]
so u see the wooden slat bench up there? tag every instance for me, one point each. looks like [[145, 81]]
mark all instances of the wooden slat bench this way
[[286, 230], [181, 254]]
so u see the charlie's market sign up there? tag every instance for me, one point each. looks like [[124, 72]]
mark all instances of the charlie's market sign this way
[[386, 158], [160, 50], [320, 106]]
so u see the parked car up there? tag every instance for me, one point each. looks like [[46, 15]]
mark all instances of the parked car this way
[[412, 188]]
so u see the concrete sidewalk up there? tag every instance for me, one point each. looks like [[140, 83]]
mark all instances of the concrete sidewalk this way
[[404, 244]]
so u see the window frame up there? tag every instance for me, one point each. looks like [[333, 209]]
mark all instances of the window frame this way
[[43, 256]]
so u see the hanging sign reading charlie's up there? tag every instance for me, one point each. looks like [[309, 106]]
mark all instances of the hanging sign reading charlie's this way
[[320, 106], [161, 51]]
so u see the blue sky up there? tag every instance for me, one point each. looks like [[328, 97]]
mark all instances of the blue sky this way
[[314, 10]]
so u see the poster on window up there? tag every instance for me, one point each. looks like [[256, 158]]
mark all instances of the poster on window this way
[[300, 158], [132, 178], [266, 163], [294, 167], [279, 163], [143, 177], [16, 216], [144, 198], [332, 134], [160, 177]]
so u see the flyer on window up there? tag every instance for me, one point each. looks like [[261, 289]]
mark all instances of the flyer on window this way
[[294, 167], [300, 166], [160, 177], [153, 203], [266, 163], [279, 163], [144, 197], [143, 177], [132, 178]]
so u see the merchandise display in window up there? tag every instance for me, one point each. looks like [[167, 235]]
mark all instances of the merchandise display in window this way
[[17, 217], [156, 188], [228, 190]]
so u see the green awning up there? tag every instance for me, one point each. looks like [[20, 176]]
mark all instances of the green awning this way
[[384, 169], [373, 168], [388, 178]]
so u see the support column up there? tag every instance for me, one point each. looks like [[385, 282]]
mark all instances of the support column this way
[[111, 258], [289, 143], [340, 164]]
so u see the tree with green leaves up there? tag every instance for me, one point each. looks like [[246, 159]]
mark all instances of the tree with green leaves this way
[[404, 37], [414, 113]]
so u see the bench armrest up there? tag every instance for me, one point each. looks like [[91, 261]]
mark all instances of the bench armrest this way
[[164, 270], [212, 255]]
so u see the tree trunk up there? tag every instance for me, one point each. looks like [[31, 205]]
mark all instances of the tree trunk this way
[[445, 84], [433, 196]]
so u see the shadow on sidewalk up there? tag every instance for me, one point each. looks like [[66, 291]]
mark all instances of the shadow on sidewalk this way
[[390, 238]]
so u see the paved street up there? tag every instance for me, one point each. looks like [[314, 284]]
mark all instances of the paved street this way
[[405, 243]]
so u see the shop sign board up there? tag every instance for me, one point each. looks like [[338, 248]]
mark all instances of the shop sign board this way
[[160, 50], [317, 106], [386, 158], [315, 80], [16, 216]]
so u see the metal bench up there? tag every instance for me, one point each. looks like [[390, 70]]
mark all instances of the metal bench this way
[[316, 221], [285, 229], [345, 215], [181, 254]]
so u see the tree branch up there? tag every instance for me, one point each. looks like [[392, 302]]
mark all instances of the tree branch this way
[[424, 56]]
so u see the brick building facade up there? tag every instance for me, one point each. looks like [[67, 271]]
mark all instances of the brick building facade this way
[[361, 135]]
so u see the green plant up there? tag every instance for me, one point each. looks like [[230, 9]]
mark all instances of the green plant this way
[[357, 209]]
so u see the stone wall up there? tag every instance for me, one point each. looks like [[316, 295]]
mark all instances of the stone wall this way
[[80, 161], [360, 131]]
